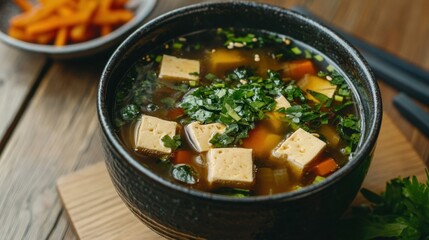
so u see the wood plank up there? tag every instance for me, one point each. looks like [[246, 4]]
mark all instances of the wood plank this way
[[50, 140], [405, 35], [18, 75], [97, 212]]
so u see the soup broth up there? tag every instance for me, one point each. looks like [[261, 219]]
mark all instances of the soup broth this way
[[237, 112]]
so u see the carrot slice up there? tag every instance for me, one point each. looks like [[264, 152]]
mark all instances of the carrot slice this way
[[261, 141], [175, 113], [24, 5], [182, 157], [298, 68], [326, 167]]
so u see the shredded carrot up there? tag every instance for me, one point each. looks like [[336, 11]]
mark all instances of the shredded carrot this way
[[61, 22], [113, 18], [37, 13], [326, 167], [61, 38], [298, 68], [261, 141], [19, 34], [45, 38], [105, 30], [119, 3], [24, 5], [105, 5]]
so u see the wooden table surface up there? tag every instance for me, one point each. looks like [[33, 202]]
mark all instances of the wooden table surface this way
[[49, 127]]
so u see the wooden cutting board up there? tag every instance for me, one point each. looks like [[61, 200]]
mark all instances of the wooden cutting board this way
[[97, 212]]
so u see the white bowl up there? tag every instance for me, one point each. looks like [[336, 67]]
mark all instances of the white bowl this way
[[141, 9]]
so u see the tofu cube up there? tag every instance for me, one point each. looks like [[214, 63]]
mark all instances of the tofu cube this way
[[282, 102], [150, 133], [317, 84], [230, 167], [222, 60], [200, 134], [179, 69], [298, 151]]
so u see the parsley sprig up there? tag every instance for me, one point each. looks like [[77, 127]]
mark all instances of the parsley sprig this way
[[401, 212], [349, 129], [172, 142]]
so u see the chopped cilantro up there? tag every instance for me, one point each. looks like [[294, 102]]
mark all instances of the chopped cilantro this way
[[129, 112], [184, 173], [211, 77], [293, 93], [172, 143], [306, 116], [400, 212], [349, 129], [238, 106]]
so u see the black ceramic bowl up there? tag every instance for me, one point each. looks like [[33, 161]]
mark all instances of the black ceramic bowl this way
[[177, 212]]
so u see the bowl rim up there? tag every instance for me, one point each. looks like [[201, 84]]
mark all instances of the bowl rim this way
[[365, 147], [87, 45]]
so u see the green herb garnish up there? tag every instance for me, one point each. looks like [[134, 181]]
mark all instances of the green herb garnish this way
[[129, 112], [236, 105], [349, 129], [184, 173], [172, 143], [401, 212]]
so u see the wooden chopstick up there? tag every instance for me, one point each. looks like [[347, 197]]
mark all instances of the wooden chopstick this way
[[396, 72], [402, 75], [413, 113], [419, 73]]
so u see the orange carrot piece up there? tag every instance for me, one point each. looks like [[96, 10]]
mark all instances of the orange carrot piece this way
[[20, 34], [61, 38], [326, 167], [298, 68], [65, 11], [77, 33], [24, 5], [261, 141], [45, 38], [113, 17], [119, 4], [105, 29], [37, 13], [56, 22], [105, 6], [175, 113], [182, 157]]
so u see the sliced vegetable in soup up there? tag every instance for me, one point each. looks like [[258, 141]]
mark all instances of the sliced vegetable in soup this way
[[237, 112]]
